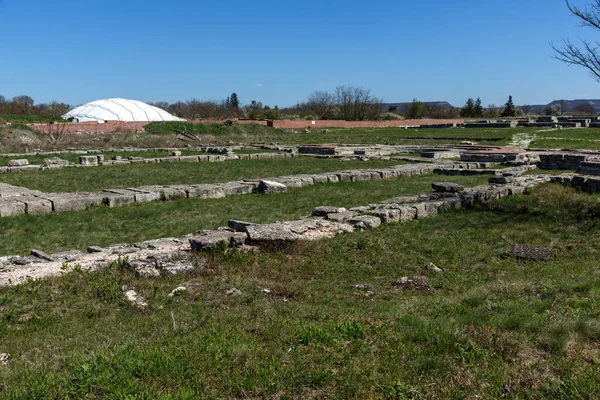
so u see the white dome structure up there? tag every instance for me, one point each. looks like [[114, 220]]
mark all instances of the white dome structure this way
[[123, 110]]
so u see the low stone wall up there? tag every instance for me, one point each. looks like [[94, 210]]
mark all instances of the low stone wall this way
[[166, 256], [564, 160], [17, 200], [94, 161]]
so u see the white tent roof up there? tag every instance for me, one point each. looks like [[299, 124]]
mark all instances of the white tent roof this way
[[118, 110]]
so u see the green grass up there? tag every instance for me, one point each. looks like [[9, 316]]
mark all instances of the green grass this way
[[133, 175], [27, 119], [104, 226], [391, 136], [492, 327], [168, 128], [400, 136], [583, 138]]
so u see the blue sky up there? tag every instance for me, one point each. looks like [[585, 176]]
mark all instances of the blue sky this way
[[278, 52]]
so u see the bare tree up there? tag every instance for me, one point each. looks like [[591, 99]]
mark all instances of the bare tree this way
[[322, 104], [356, 103], [586, 54]]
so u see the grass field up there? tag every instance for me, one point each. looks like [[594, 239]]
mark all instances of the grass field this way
[[105, 226], [133, 175], [584, 138], [490, 327]]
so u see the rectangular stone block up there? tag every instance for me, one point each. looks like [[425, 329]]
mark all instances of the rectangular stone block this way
[[73, 201], [234, 188], [145, 196], [118, 197], [10, 207], [189, 159], [36, 205], [88, 160], [205, 191]]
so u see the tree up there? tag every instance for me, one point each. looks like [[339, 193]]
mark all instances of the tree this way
[[586, 54], [526, 109], [584, 109], [233, 101], [254, 110], [478, 111], [509, 108], [415, 110], [356, 103], [492, 111], [468, 110], [322, 104]]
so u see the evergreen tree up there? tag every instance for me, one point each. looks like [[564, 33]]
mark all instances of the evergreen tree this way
[[478, 111], [468, 111], [509, 108], [233, 100]]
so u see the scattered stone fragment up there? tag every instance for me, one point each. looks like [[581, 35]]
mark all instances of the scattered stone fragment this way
[[178, 267], [417, 283], [95, 249], [70, 255], [4, 359], [116, 158], [239, 226], [271, 187], [177, 291], [365, 221], [234, 292], [41, 254], [134, 298], [55, 162], [447, 187], [434, 268], [144, 268], [501, 180], [175, 153], [532, 253], [323, 211]]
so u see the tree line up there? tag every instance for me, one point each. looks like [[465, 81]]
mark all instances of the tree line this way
[[350, 103]]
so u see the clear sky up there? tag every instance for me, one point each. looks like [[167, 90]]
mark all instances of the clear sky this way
[[278, 52]]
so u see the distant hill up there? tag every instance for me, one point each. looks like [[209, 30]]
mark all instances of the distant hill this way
[[533, 108]]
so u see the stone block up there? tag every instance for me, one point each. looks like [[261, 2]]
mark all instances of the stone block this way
[[36, 205], [73, 201], [270, 236], [24, 168], [322, 211], [118, 197], [208, 240], [271, 187], [206, 191], [447, 187], [10, 207], [145, 196], [189, 159], [235, 188], [365, 221], [18, 163], [88, 160], [239, 226]]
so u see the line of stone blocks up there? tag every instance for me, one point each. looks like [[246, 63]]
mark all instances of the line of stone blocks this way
[[35, 202]]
